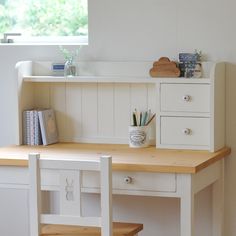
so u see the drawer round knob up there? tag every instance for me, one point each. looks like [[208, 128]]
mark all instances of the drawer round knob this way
[[186, 98], [128, 180], [187, 131]]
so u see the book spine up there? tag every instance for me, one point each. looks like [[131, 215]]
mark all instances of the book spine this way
[[28, 127], [39, 131], [42, 127], [37, 138], [25, 127], [32, 127]]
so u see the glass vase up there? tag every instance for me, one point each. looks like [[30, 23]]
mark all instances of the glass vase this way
[[70, 69]]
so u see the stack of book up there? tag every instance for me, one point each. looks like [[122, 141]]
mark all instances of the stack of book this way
[[39, 127], [31, 129]]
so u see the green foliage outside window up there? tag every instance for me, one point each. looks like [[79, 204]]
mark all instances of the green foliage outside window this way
[[44, 17]]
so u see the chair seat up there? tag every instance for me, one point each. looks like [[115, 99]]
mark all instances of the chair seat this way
[[119, 229]]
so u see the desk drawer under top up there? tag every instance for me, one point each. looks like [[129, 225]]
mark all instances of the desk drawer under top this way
[[134, 181], [128, 182]]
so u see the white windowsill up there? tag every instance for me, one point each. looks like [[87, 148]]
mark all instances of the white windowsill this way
[[37, 41]]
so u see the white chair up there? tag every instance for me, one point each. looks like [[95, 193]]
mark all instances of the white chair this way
[[70, 220]]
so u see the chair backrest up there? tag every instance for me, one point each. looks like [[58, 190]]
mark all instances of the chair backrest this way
[[70, 172]]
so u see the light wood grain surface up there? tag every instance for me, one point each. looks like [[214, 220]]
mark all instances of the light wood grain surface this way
[[124, 158], [119, 229]]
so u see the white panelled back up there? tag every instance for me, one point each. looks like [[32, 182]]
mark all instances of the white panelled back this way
[[95, 112]]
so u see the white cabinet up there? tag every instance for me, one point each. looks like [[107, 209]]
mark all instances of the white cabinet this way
[[191, 112], [14, 212], [97, 106]]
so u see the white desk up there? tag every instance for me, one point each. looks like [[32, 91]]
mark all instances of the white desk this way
[[143, 172]]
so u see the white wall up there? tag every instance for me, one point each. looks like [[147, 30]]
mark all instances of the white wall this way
[[146, 30]]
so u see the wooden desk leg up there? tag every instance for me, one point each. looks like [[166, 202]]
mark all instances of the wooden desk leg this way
[[186, 206], [218, 204]]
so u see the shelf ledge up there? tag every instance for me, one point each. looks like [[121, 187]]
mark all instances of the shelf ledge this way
[[110, 79]]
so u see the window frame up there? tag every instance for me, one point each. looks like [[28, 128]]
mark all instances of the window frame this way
[[47, 40]]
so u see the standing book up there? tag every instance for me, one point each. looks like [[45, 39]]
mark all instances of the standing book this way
[[48, 126], [26, 127], [37, 132], [31, 130]]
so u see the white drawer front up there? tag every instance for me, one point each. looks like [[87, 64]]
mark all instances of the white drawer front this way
[[185, 131], [134, 181], [185, 97], [14, 175]]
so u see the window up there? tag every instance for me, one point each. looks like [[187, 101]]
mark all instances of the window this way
[[45, 21]]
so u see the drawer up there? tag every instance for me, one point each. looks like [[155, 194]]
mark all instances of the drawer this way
[[185, 131], [185, 97], [134, 181], [14, 175], [20, 176]]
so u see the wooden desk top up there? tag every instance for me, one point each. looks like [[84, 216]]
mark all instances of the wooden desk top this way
[[123, 158]]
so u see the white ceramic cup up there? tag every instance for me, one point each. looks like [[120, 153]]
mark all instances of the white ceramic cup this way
[[138, 136]]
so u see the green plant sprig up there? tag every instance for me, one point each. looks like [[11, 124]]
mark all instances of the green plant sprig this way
[[69, 55], [199, 54]]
